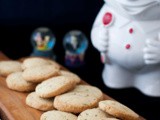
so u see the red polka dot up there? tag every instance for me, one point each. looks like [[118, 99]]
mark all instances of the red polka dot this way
[[131, 30], [102, 59], [128, 46], [107, 18]]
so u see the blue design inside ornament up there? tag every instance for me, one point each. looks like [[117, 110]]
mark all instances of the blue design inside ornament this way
[[43, 39], [75, 42]]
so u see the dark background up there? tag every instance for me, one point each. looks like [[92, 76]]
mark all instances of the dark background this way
[[18, 19]]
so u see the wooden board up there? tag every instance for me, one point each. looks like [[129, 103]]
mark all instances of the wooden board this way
[[12, 103]]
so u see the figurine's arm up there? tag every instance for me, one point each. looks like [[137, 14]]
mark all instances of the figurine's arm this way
[[99, 32], [152, 51]]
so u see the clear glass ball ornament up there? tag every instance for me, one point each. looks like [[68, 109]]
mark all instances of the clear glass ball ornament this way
[[43, 39], [75, 42]]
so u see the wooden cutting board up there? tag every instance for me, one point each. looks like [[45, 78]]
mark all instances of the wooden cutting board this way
[[12, 103]]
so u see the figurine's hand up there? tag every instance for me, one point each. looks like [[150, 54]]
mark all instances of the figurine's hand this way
[[100, 38], [152, 51]]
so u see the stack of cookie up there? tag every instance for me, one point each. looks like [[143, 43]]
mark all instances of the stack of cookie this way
[[59, 93], [24, 76]]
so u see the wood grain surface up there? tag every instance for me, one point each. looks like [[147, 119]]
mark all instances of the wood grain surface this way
[[12, 103]]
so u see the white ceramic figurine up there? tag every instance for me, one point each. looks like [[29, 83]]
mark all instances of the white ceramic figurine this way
[[127, 34]]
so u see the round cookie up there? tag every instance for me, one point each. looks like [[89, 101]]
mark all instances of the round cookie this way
[[37, 61], [16, 82], [70, 74], [111, 119], [8, 67], [34, 101], [55, 86], [82, 97], [56, 65], [40, 73], [57, 115], [118, 110], [94, 114]]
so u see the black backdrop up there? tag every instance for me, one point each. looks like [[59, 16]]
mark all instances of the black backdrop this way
[[18, 19]]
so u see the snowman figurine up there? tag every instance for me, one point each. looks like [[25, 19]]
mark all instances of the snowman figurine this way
[[127, 34]]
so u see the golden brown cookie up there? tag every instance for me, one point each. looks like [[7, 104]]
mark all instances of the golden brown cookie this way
[[16, 82], [37, 61], [79, 99], [118, 110], [33, 62], [70, 74], [34, 101], [55, 86], [8, 67], [110, 119], [57, 115], [94, 114], [55, 64], [40, 73]]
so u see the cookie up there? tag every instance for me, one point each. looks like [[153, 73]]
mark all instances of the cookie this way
[[40, 73], [94, 114], [8, 67], [82, 97], [110, 119], [56, 65], [55, 86], [70, 74], [57, 115], [37, 61], [34, 101], [118, 110], [16, 82]]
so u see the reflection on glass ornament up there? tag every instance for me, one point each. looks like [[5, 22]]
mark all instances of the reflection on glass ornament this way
[[43, 41], [75, 43]]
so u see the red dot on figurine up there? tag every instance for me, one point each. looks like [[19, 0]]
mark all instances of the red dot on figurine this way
[[131, 30], [128, 46], [107, 18]]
